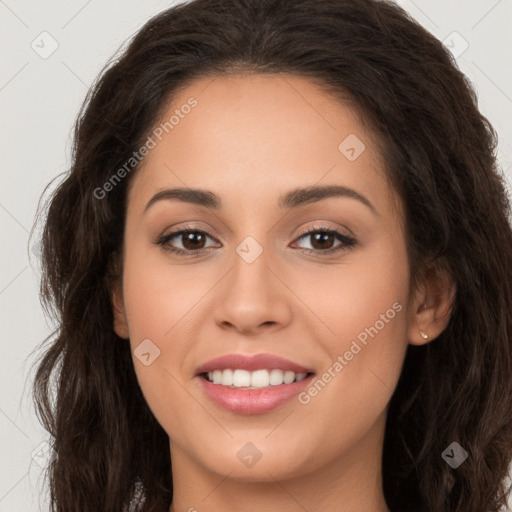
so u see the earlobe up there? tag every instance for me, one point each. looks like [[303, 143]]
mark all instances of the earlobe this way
[[119, 313], [432, 306]]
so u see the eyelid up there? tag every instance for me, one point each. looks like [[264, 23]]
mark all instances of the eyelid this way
[[324, 227]]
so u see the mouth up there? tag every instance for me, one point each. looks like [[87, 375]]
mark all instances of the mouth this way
[[252, 384]]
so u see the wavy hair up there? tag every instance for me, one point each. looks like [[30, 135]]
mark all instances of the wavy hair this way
[[440, 157]]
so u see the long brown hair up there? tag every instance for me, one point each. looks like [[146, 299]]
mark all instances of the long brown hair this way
[[440, 154]]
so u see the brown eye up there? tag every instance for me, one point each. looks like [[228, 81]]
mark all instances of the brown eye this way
[[322, 240], [193, 240]]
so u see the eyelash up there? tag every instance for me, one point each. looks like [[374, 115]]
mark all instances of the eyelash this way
[[347, 241]]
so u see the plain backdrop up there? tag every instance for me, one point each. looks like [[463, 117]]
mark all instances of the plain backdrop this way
[[51, 52]]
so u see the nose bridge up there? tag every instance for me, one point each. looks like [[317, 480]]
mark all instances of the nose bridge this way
[[251, 295], [250, 274]]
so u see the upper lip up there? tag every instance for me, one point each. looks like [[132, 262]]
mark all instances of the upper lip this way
[[251, 363]]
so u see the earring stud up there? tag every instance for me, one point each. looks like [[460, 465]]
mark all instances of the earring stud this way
[[423, 335]]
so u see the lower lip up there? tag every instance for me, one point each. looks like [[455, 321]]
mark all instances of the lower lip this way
[[252, 401]]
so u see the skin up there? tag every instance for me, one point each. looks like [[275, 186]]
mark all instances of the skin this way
[[249, 140]]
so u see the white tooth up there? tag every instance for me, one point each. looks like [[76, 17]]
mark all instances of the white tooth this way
[[276, 377], [289, 377], [241, 378], [256, 379], [260, 378], [227, 377]]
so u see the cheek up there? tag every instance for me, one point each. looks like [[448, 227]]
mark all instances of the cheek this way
[[159, 302], [159, 296], [364, 304], [362, 298]]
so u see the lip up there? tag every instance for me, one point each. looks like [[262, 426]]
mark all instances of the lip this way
[[252, 401], [251, 363]]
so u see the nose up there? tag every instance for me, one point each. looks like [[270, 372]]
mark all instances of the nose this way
[[252, 298]]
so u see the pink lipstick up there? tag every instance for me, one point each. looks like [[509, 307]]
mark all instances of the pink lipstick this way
[[252, 384]]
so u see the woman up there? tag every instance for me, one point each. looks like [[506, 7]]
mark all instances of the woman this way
[[281, 262]]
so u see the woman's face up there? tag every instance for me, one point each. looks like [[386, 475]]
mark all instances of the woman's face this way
[[265, 280]]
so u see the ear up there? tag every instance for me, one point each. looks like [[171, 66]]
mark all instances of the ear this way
[[120, 319], [431, 305]]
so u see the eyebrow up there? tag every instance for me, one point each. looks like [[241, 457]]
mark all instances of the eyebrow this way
[[293, 199]]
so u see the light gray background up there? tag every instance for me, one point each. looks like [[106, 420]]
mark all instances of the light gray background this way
[[39, 99]]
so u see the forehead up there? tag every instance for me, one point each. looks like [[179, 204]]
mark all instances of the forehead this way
[[260, 134]]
